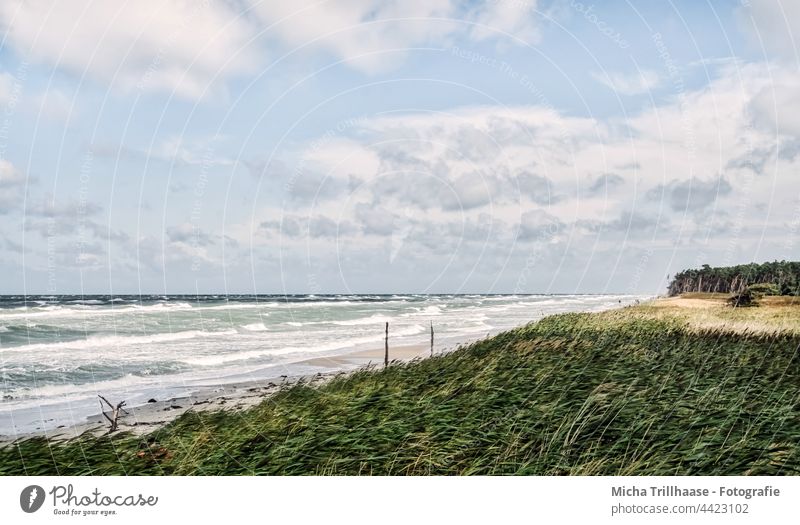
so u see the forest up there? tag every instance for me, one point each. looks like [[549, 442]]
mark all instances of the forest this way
[[772, 278]]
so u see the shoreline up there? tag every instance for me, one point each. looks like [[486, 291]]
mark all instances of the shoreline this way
[[230, 392], [148, 417], [569, 395]]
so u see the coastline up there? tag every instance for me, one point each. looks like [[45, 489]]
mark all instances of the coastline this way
[[573, 394], [145, 418], [214, 347]]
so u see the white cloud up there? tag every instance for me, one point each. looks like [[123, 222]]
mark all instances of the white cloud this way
[[9, 175], [185, 46], [191, 152], [6, 87], [774, 26], [357, 30], [174, 149], [776, 108], [373, 35], [629, 84], [693, 195], [677, 167], [176, 45], [12, 184], [55, 105], [515, 17]]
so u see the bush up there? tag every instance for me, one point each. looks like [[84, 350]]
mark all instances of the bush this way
[[743, 298], [762, 289]]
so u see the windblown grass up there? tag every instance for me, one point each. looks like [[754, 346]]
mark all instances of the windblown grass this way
[[657, 390]]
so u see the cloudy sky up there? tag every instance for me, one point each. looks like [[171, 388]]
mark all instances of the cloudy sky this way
[[241, 146]]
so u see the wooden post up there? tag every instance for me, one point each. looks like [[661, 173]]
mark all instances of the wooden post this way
[[431, 338], [386, 355]]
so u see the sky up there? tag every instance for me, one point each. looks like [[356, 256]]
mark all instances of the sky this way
[[366, 146]]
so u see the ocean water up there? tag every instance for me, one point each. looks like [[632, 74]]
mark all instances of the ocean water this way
[[58, 352]]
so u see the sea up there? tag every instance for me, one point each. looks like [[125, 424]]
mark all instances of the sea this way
[[57, 353]]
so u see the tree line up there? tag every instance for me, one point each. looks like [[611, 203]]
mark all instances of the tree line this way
[[778, 278]]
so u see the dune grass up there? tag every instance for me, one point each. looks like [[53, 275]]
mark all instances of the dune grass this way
[[659, 389]]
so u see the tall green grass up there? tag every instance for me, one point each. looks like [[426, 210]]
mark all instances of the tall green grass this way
[[620, 393]]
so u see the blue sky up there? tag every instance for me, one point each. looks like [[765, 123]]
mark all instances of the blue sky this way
[[370, 146]]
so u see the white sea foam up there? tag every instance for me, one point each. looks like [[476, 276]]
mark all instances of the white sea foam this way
[[43, 396], [113, 342], [353, 342], [432, 310], [364, 321], [240, 306], [255, 327], [81, 313]]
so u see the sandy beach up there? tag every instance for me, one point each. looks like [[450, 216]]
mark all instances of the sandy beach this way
[[144, 418], [216, 354]]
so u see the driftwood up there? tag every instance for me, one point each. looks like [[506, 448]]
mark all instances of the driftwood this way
[[115, 413]]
